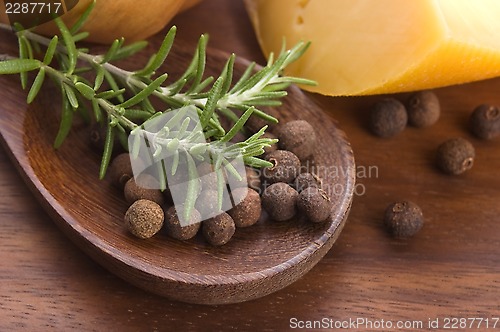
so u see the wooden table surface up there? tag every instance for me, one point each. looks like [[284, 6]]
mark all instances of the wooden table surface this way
[[450, 270]]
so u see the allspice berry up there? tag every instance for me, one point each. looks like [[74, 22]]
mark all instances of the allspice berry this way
[[250, 178], [306, 180], [207, 175], [207, 203], [144, 218], [298, 137], [455, 156], [388, 117], [279, 200], [286, 167], [403, 219], [219, 229], [485, 121], [134, 192], [174, 228], [247, 212], [253, 178], [120, 170], [423, 109], [315, 204]]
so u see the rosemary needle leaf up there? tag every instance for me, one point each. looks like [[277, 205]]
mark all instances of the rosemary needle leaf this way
[[227, 73], [65, 124], [69, 43], [122, 138], [23, 54], [184, 125], [99, 77], [203, 85], [136, 142], [82, 19], [221, 183], [232, 170], [129, 50], [243, 78], [175, 162], [265, 102], [146, 92], [161, 55], [136, 114], [37, 84], [29, 48], [110, 94], [192, 187], [108, 149], [162, 175], [201, 51], [80, 36], [211, 103], [256, 162], [238, 125], [147, 106], [304, 81], [115, 46], [70, 94], [97, 110], [112, 83], [85, 90], [51, 49], [16, 66]]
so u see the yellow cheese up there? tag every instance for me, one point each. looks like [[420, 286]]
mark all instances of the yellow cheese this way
[[380, 46]]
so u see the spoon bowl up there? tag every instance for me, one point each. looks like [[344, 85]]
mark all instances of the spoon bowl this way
[[257, 261]]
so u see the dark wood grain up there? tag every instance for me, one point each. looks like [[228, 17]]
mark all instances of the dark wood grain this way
[[450, 269], [257, 261]]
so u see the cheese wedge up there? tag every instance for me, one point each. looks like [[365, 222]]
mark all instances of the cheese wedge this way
[[362, 47]]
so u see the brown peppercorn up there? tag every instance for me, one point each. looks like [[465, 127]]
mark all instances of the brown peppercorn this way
[[120, 170], [144, 218], [403, 219], [247, 211], [298, 137], [388, 117], [306, 180], [423, 109], [134, 192], [253, 178], [286, 167], [315, 204], [279, 200], [173, 225], [207, 203], [208, 176], [219, 229], [485, 121], [455, 156]]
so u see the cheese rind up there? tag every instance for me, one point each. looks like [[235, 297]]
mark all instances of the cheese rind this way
[[369, 47]]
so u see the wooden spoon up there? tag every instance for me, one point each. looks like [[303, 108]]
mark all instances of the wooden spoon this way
[[258, 260]]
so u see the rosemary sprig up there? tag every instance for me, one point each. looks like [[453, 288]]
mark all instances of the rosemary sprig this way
[[210, 97]]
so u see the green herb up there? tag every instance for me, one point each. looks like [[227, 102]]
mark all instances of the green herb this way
[[123, 114]]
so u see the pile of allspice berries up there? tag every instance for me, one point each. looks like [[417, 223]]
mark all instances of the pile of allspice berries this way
[[454, 156], [281, 190]]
